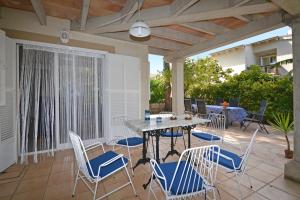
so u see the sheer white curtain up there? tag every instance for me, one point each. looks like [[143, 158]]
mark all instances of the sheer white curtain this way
[[36, 83], [72, 102], [80, 96]]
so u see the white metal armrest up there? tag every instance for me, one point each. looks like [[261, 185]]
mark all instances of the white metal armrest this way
[[153, 164], [227, 158], [92, 146], [111, 161]]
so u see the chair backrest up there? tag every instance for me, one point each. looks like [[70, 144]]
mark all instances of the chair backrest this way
[[192, 164], [234, 102], [262, 109], [248, 151], [188, 105], [218, 121], [120, 128], [200, 160], [219, 101], [80, 154], [201, 105]]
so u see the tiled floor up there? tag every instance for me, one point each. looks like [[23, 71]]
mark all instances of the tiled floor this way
[[52, 177]]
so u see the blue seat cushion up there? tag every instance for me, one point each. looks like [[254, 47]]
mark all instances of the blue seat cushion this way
[[228, 163], [206, 136], [184, 186], [106, 170], [132, 141], [169, 134]]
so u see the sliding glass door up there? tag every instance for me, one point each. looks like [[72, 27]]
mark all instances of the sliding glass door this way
[[60, 91]]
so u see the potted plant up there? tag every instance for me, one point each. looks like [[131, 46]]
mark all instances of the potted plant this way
[[283, 122]]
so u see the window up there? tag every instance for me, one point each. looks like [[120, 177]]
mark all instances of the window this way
[[267, 60]]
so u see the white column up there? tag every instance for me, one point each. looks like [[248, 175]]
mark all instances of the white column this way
[[178, 86], [292, 168]]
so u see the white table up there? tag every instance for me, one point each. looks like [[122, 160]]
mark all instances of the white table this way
[[153, 128]]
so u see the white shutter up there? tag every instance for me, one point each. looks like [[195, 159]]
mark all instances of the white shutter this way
[[122, 90], [8, 146]]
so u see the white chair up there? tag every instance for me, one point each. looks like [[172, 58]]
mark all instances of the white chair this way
[[99, 168], [125, 137], [217, 124], [235, 163], [193, 175]]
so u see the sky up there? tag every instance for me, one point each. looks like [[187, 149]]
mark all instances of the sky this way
[[156, 61]]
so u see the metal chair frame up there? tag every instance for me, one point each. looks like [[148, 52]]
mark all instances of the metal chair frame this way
[[256, 117], [85, 172], [127, 134], [197, 162], [240, 170]]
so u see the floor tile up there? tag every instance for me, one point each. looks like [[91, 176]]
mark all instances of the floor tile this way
[[286, 185], [274, 193], [7, 189]]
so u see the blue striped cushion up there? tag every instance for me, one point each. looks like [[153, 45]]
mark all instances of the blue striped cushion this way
[[169, 134], [106, 170], [194, 184], [206, 136], [132, 141]]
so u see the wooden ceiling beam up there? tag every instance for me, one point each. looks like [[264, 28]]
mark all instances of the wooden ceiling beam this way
[[161, 17], [206, 27], [178, 6], [253, 28], [153, 41], [130, 9], [39, 11], [290, 6], [84, 13], [175, 35]]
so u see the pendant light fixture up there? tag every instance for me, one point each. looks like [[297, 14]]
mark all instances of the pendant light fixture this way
[[139, 29]]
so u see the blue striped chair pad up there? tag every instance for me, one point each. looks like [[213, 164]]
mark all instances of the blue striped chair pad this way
[[106, 170], [194, 184], [206, 136], [132, 141]]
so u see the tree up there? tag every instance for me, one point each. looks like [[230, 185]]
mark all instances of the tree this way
[[167, 80], [200, 74]]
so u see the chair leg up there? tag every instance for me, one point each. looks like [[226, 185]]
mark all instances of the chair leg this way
[[150, 188], [130, 181], [249, 180], [75, 184], [95, 191], [262, 127], [246, 126], [129, 155]]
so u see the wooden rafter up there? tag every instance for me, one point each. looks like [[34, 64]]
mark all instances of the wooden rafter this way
[[39, 11], [253, 28], [160, 17], [84, 13]]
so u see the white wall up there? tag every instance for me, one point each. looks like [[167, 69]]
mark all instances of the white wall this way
[[234, 59]]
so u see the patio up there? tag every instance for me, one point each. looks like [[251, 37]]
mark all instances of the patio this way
[[52, 177], [87, 42]]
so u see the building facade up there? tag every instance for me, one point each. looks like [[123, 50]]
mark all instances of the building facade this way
[[261, 53]]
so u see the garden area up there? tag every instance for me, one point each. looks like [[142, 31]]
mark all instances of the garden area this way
[[205, 79]]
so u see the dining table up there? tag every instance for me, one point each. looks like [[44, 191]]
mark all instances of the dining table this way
[[233, 114], [154, 128]]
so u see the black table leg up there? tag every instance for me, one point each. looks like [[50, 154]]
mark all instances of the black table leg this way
[[172, 151], [189, 128], [157, 135], [144, 159]]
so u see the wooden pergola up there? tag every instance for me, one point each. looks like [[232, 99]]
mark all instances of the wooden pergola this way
[[181, 28]]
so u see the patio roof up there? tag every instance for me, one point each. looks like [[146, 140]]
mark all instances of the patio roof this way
[[180, 28]]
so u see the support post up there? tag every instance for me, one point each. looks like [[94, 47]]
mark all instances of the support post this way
[[178, 86], [292, 168]]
